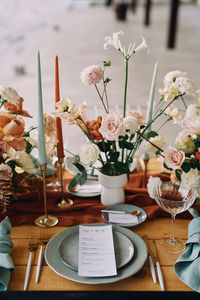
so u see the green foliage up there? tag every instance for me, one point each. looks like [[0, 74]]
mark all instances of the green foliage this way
[[104, 146], [80, 177]]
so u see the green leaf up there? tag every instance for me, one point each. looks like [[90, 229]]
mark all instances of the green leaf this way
[[107, 63], [150, 134], [103, 146], [2, 102], [80, 167], [178, 175], [83, 178], [198, 200], [186, 167], [28, 132], [113, 156], [126, 145], [106, 168], [121, 167], [74, 181], [29, 147], [132, 136], [107, 80]]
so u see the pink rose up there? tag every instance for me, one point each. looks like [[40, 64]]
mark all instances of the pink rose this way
[[92, 75], [174, 158], [112, 126]]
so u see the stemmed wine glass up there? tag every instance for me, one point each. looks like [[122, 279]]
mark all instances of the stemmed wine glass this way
[[175, 201]]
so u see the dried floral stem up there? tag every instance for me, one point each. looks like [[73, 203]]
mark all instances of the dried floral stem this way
[[101, 98]]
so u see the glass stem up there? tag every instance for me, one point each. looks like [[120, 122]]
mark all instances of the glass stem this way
[[172, 239]]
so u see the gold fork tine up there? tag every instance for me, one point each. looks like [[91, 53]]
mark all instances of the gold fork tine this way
[[32, 246], [43, 240]]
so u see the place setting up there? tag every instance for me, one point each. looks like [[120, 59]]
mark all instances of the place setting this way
[[96, 253]]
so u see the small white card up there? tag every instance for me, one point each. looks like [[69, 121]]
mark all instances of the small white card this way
[[96, 251], [122, 218]]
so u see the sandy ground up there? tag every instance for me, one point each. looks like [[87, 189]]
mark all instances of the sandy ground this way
[[77, 35]]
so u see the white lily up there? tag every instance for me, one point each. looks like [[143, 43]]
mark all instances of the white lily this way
[[143, 46], [114, 41], [63, 105]]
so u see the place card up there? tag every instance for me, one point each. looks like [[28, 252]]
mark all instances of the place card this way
[[96, 251], [122, 218]]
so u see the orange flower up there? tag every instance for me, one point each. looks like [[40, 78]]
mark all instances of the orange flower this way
[[17, 108], [11, 131], [93, 128], [197, 155]]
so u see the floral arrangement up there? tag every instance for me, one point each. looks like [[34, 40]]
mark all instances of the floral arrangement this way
[[14, 147], [114, 138]]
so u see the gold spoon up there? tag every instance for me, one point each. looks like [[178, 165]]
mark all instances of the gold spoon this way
[[133, 213]]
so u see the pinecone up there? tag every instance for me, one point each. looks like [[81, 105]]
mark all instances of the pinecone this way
[[7, 194]]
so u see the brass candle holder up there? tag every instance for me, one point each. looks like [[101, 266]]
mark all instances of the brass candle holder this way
[[64, 202], [45, 220]]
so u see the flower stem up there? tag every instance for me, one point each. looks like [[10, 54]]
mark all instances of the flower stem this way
[[125, 88], [183, 102], [101, 98]]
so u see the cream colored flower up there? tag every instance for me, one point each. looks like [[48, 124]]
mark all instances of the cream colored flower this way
[[22, 159], [89, 153], [49, 125], [172, 111], [169, 92], [143, 46], [190, 179], [149, 149], [172, 76], [131, 124], [185, 85], [9, 94]]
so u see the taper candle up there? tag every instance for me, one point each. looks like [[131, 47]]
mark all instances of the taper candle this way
[[59, 137], [41, 137], [151, 96]]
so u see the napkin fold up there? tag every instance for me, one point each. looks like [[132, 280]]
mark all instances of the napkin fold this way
[[187, 266], [6, 245]]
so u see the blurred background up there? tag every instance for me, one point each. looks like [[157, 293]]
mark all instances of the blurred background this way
[[75, 30]]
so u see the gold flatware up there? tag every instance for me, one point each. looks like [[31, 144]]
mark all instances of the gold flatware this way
[[150, 255], [43, 240], [159, 272], [133, 213], [32, 246]]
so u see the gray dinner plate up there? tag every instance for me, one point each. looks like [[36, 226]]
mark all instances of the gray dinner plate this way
[[55, 263], [125, 207], [124, 249], [84, 193]]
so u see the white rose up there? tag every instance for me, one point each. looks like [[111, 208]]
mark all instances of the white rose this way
[[131, 124], [9, 94], [190, 179], [89, 153], [153, 183]]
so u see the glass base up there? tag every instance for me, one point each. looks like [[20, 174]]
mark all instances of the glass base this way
[[171, 246], [53, 185]]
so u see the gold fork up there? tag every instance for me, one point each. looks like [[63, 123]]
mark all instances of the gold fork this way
[[32, 246], [43, 240]]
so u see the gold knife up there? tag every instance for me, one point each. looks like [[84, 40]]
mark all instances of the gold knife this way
[[151, 265], [155, 253]]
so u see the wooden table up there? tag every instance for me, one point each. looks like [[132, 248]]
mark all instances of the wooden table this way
[[142, 281]]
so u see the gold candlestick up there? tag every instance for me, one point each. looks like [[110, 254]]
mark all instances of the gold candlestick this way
[[45, 220], [67, 202]]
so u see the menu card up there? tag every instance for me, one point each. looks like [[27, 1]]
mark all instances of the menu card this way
[[122, 218], [96, 251]]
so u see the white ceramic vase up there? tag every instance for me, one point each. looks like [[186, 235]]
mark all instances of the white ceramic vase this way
[[112, 191]]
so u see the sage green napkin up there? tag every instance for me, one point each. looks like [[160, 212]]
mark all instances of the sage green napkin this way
[[6, 245], [187, 266]]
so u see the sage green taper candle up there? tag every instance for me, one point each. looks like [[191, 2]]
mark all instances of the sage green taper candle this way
[[41, 137], [151, 97]]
